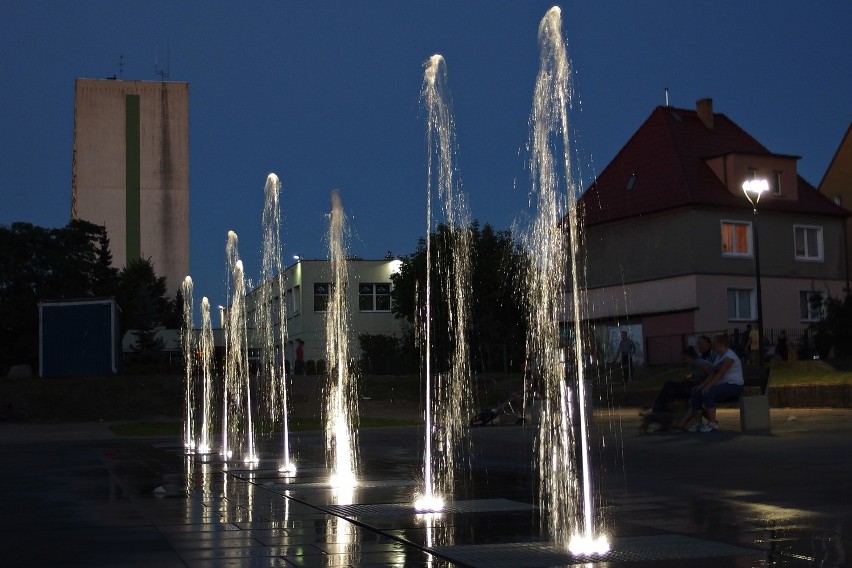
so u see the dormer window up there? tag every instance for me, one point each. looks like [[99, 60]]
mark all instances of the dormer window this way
[[775, 182]]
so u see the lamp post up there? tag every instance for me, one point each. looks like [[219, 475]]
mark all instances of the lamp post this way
[[753, 189]]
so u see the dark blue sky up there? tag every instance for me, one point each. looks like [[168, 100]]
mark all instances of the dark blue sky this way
[[326, 95]]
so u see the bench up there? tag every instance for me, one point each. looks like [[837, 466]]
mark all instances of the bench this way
[[754, 400]]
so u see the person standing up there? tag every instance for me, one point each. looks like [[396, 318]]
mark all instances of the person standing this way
[[624, 356], [299, 366]]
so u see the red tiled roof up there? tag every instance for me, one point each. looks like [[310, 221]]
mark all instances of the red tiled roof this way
[[667, 157]]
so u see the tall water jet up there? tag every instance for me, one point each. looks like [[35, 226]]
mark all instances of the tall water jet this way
[[237, 423], [565, 486], [231, 385], [341, 417], [189, 348], [448, 399], [206, 348], [271, 320]]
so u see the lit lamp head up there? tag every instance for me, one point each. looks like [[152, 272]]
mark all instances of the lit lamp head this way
[[753, 189]]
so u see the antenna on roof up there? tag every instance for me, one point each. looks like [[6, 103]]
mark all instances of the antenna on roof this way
[[162, 70], [666, 90], [121, 66]]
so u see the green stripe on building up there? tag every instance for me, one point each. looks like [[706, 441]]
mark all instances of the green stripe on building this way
[[133, 184]]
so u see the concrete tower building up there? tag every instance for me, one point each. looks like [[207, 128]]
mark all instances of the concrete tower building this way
[[130, 169]]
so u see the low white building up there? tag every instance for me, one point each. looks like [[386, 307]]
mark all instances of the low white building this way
[[306, 287]]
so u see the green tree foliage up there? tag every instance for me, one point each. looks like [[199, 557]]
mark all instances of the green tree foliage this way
[[497, 326], [38, 264], [835, 328], [141, 295]]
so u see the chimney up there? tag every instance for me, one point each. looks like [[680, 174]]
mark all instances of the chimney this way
[[704, 108]]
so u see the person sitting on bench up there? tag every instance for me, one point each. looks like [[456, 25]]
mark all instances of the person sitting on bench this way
[[701, 364], [724, 384], [699, 368]]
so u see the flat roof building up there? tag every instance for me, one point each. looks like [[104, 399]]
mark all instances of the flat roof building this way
[[130, 169]]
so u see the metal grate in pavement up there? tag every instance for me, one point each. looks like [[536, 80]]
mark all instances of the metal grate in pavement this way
[[626, 549], [394, 509]]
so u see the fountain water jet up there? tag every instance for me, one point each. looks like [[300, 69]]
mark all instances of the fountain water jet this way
[[237, 424], [448, 402], [564, 503], [341, 418], [188, 344], [272, 318], [207, 347]]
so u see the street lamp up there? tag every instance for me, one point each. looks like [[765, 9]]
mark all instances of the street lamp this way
[[753, 189]]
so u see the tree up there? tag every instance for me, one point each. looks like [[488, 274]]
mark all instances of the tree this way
[[497, 326], [38, 264], [835, 328], [141, 295]]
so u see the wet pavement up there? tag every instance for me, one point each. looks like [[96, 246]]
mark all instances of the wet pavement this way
[[75, 495]]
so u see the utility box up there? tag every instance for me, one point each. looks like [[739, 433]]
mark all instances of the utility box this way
[[79, 337]]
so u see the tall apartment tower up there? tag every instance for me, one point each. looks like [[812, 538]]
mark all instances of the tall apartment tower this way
[[130, 169]]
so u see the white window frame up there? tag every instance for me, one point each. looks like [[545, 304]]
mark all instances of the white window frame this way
[[752, 301], [373, 295], [809, 256], [327, 296], [292, 301], [776, 182], [749, 239], [811, 314]]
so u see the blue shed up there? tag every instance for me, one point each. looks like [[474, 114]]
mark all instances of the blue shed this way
[[79, 337]]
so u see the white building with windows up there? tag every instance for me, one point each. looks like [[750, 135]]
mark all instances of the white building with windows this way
[[670, 235], [306, 286]]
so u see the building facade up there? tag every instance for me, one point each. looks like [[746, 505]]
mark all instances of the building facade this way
[[130, 170], [670, 237], [306, 288], [836, 184]]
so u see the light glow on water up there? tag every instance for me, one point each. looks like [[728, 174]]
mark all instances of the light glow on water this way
[[430, 502], [582, 545]]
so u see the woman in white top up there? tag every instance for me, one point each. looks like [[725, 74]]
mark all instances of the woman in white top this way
[[724, 384]]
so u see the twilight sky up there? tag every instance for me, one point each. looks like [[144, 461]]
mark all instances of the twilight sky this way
[[326, 95]]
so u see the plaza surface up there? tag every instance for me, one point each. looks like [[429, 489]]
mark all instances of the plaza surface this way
[[75, 495]]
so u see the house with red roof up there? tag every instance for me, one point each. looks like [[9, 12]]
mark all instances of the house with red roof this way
[[836, 184], [670, 237]]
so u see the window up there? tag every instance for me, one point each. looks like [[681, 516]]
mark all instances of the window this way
[[322, 290], [811, 305], [752, 173], [374, 297], [293, 301], [736, 238], [808, 242], [741, 304], [776, 182]]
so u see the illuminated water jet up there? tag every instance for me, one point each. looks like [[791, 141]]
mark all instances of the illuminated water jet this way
[[272, 320], [448, 399], [565, 486], [206, 349], [341, 416], [189, 348]]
